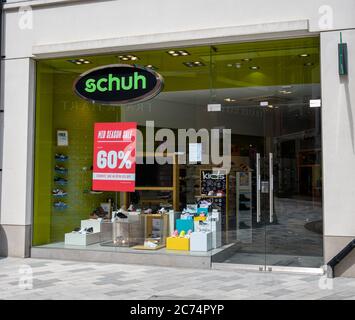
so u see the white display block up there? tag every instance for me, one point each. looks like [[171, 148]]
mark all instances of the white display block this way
[[91, 223], [105, 228], [201, 241], [215, 226], [77, 239]]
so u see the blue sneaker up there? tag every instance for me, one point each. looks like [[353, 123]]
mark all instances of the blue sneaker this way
[[60, 181], [61, 157], [60, 205], [59, 193], [61, 170]]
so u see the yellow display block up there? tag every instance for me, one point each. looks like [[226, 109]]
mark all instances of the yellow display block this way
[[200, 218], [177, 243]]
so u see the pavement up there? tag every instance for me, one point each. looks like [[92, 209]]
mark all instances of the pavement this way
[[36, 279]]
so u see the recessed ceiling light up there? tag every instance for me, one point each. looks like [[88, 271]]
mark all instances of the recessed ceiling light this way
[[247, 59], [193, 64], [254, 68], [79, 61], [150, 66], [303, 55], [128, 57], [178, 53], [229, 100], [229, 65], [309, 64], [285, 92]]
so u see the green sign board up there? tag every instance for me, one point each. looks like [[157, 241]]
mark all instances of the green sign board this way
[[119, 84]]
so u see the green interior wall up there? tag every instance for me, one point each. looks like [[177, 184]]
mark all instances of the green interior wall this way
[[43, 156], [58, 108]]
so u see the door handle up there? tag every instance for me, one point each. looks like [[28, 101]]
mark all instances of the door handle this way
[[271, 186], [258, 188]]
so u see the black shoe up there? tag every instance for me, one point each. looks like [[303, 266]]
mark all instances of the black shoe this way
[[242, 197], [90, 230], [243, 207], [121, 215], [243, 225]]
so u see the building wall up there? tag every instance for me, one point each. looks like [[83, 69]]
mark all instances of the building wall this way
[[61, 28], [338, 95]]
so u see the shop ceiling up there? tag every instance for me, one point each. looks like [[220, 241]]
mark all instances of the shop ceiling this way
[[241, 65]]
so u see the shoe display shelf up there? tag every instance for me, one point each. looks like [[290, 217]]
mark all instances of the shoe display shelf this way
[[171, 175], [156, 226], [209, 183], [244, 206], [128, 232], [60, 180]]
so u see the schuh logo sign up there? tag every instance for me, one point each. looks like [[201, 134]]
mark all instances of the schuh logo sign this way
[[119, 84]]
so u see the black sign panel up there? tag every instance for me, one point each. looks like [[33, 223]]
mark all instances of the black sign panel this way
[[118, 84]]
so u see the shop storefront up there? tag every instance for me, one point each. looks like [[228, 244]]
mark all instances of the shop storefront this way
[[261, 204], [209, 148]]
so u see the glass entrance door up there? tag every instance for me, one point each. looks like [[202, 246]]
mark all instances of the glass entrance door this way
[[279, 192], [293, 227]]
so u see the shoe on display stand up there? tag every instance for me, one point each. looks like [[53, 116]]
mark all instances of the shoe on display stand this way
[[243, 207], [60, 181], [60, 205], [61, 157], [60, 169], [131, 208], [243, 198], [162, 211], [59, 193]]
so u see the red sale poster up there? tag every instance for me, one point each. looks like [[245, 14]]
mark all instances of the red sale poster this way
[[114, 156]]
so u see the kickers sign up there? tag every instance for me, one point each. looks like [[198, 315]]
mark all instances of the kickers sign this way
[[115, 156]]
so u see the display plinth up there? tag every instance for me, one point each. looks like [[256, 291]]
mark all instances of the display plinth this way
[[201, 241], [177, 243], [78, 239]]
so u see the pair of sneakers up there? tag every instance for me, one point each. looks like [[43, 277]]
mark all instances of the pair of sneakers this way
[[87, 230]]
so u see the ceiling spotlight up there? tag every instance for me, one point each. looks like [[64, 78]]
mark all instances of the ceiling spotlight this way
[[150, 66], [238, 65], [309, 64], [247, 59], [303, 55], [128, 57], [79, 61], [285, 92], [229, 65], [178, 53], [229, 100], [193, 64], [254, 68]]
